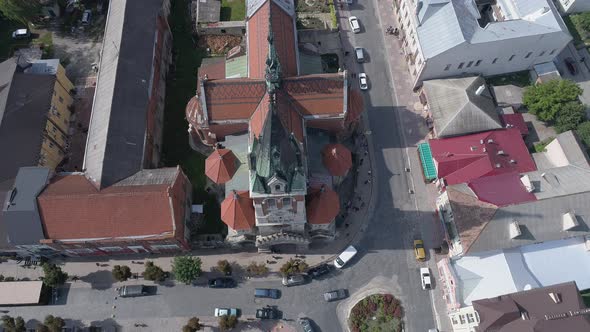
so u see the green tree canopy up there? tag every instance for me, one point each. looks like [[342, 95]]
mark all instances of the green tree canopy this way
[[224, 267], [546, 100], [192, 325], [10, 324], [54, 276], [153, 272], [227, 322], [55, 324], [23, 11], [186, 268], [294, 266], [584, 133], [570, 116], [582, 21], [121, 272]]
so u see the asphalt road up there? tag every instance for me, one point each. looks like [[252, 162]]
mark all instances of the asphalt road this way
[[385, 261]]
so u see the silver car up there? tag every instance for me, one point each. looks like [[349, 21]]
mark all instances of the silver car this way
[[294, 280]]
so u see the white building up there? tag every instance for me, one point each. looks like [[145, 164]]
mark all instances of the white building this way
[[446, 38], [574, 6]]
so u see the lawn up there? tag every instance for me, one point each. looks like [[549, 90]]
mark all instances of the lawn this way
[[7, 44], [233, 10], [181, 86], [520, 78]]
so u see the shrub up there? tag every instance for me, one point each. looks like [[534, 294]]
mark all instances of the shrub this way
[[121, 272], [383, 307], [570, 116], [9, 279], [186, 268], [10, 324], [227, 322], [255, 269], [333, 15], [546, 100], [224, 267], [583, 131], [293, 266], [192, 325], [54, 324], [153, 272]]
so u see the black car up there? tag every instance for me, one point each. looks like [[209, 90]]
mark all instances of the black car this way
[[267, 313], [318, 271], [222, 283]]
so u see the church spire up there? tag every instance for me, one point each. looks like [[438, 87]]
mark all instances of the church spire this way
[[273, 66]]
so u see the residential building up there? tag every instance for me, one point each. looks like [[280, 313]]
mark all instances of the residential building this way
[[275, 121], [125, 132], [66, 214], [519, 208], [35, 113], [573, 6], [447, 38]]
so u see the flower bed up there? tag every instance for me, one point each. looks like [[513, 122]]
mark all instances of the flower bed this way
[[378, 312]]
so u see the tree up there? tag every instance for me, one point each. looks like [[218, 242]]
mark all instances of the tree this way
[[10, 324], [582, 21], [186, 268], [153, 272], [570, 116], [42, 328], [22, 11], [121, 272], [19, 325], [227, 322], [293, 266], [224, 267], [256, 269], [583, 132], [545, 100], [54, 276], [54, 324], [193, 325]]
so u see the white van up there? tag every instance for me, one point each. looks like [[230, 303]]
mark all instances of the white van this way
[[345, 256]]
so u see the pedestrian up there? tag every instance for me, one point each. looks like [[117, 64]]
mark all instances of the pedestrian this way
[[369, 172], [366, 181], [361, 161], [97, 264]]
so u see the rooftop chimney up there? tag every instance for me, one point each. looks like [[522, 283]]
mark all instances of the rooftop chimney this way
[[480, 90], [556, 297]]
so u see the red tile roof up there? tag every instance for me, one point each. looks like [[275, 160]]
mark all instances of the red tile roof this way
[[213, 71], [322, 206], [283, 27], [259, 116], [72, 208], [501, 190], [465, 158], [233, 99], [515, 120], [221, 165], [317, 94], [237, 211], [337, 159]]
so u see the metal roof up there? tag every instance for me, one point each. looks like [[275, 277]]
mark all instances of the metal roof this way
[[7, 69], [208, 11], [459, 106], [427, 163]]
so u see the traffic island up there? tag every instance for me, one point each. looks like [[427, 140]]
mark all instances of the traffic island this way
[[377, 312]]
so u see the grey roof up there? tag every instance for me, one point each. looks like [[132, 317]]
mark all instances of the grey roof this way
[[25, 118], [457, 109], [565, 150], [20, 212], [43, 67], [3, 231], [7, 69], [238, 144], [444, 24], [508, 95], [117, 132], [208, 11], [156, 176]]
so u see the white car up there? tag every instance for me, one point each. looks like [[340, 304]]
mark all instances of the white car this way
[[225, 312], [354, 24], [363, 81], [425, 278], [345, 256]]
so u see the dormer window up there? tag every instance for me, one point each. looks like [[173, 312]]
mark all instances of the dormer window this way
[[278, 187]]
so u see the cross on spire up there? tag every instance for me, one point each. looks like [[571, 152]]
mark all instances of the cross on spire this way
[[273, 66]]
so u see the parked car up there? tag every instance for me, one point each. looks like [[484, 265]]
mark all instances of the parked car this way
[[335, 295], [21, 34], [359, 53], [354, 24], [294, 280], [318, 271], [345, 256], [222, 283], [305, 325], [267, 293], [363, 82], [86, 16], [571, 66], [132, 291], [267, 313], [419, 250], [225, 312], [425, 278]]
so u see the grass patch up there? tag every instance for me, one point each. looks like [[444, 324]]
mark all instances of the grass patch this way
[[233, 10], [519, 78], [330, 63], [586, 297], [540, 147], [180, 87], [45, 41], [7, 44]]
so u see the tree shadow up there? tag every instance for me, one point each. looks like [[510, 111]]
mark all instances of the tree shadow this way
[[108, 324], [100, 280]]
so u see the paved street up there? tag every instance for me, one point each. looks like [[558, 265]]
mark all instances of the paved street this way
[[385, 262]]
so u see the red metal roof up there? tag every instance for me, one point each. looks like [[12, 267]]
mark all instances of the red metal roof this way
[[465, 158], [72, 208], [501, 190], [337, 159], [237, 211], [221, 165], [323, 205], [515, 120]]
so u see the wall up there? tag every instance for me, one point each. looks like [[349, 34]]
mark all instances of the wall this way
[[464, 319], [272, 218], [117, 247], [234, 28]]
